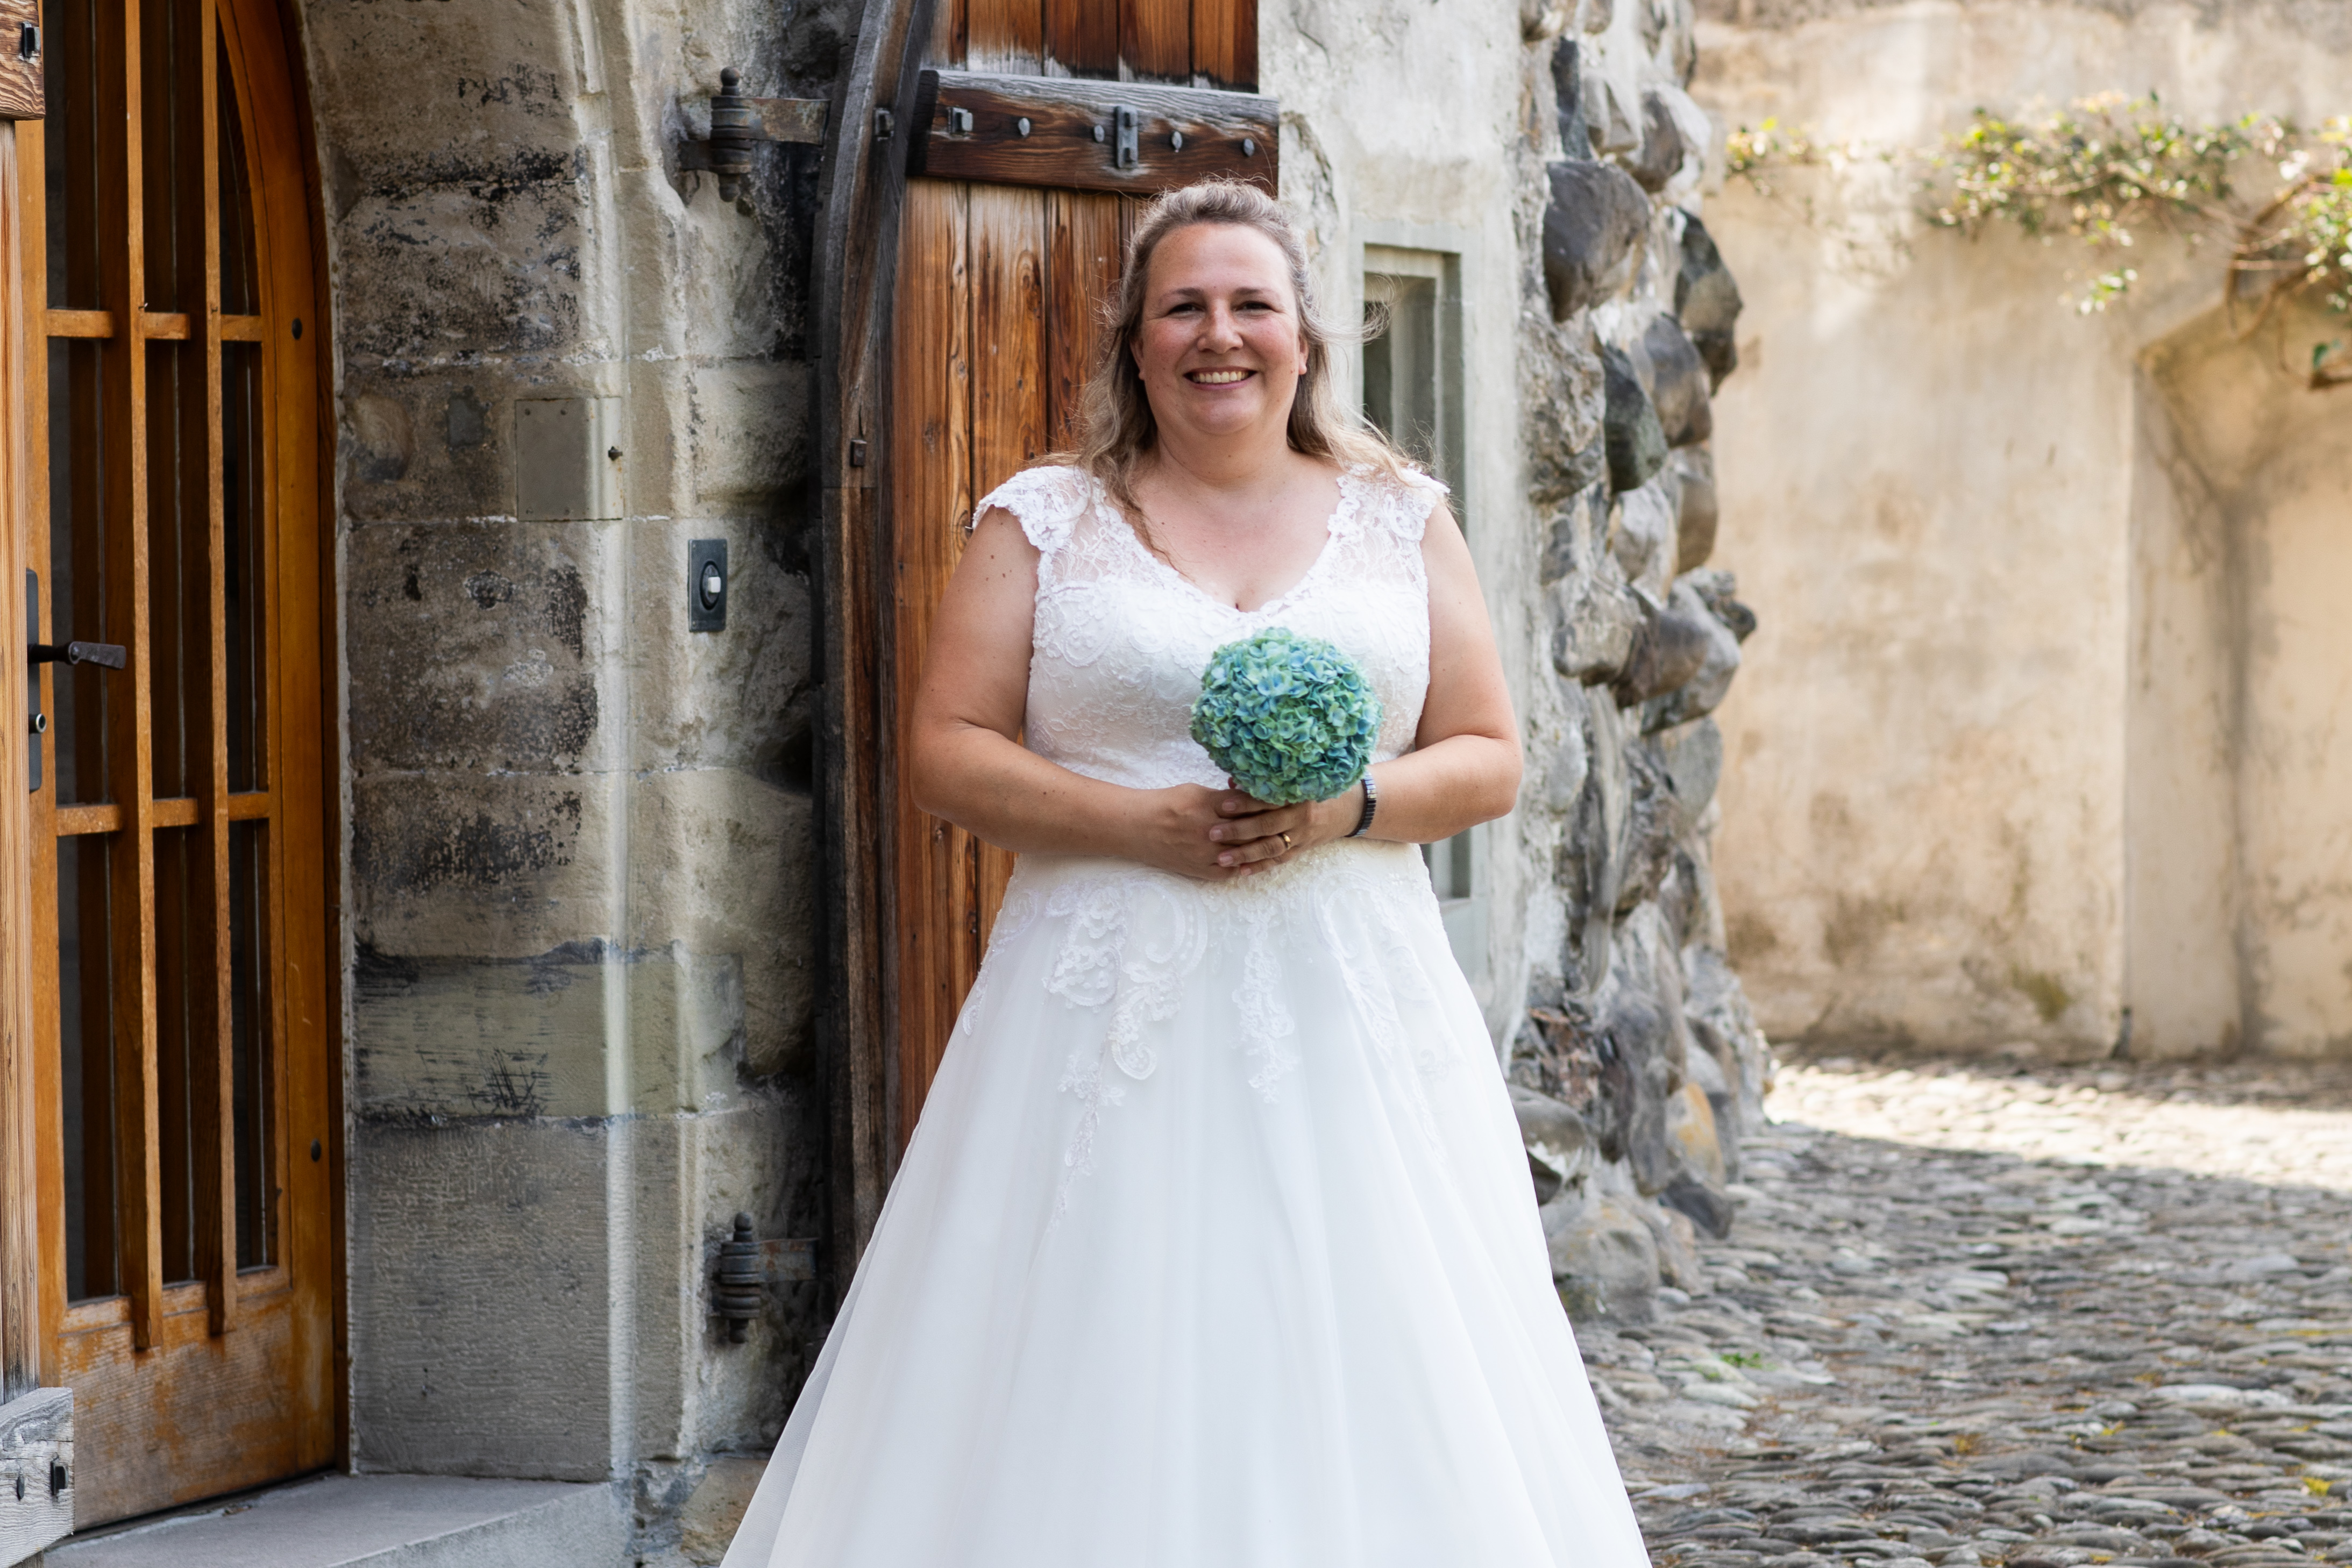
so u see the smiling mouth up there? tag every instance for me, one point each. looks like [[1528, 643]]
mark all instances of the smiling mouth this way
[[1217, 377]]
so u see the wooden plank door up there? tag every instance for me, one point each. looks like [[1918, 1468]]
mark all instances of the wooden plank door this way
[[995, 325], [178, 878], [992, 330]]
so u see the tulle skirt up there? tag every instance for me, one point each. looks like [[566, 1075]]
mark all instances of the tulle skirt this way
[[1215, 1247]]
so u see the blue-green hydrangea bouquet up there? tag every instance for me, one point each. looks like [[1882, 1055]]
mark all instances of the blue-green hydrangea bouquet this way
[[1291, 718]]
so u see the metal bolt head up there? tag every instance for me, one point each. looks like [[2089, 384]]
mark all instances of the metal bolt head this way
[[1249, 147], [1098, 133], [1021, 126], [1176, 139]]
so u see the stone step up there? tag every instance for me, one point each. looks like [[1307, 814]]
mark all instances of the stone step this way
[[378, 1522]]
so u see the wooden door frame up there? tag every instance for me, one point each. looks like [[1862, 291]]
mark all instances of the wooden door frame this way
[[864, 185], [327, 519], [22, 1334]]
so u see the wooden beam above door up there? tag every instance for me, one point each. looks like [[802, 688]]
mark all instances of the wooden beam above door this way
[[1128, 137]]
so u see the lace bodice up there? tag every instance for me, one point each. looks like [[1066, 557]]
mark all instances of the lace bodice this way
[[1122, 638]]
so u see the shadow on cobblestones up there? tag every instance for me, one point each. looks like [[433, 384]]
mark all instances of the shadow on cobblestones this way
[[1952, 1326]]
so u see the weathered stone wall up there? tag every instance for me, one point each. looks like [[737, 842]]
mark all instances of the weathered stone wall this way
[[1639, 1063], [2044, 747], [578, 883]]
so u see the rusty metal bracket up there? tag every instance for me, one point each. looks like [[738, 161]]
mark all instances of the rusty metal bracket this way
[[737, 1298], [747, 1264], [739, 126]]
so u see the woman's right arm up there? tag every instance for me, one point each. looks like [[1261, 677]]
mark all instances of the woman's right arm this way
[[969, 767]]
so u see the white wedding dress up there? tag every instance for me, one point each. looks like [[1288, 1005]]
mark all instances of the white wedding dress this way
[[1215, 1246]]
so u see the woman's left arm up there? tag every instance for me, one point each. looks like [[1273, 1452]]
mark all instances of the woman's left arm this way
[[1463, 769]]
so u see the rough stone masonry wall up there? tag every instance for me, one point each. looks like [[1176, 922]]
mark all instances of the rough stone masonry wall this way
[[577, 885], [1639, 1063]]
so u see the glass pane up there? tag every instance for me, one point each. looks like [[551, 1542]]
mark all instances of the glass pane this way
[[85, 1065], [74, 596], [240, 286], [179, 524], [181, 1037], [250, 1056], [1400, 367], [173, 137], [70, 154], [243, 517]]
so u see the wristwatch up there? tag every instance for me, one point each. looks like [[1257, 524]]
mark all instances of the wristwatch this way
[[1372, 805]]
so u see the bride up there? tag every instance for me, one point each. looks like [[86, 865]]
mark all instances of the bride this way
[[1215, 1246]]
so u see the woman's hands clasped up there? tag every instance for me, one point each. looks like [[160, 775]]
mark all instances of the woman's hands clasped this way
[[1218, 834]]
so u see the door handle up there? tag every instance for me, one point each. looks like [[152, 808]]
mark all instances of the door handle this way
[[105, 656]]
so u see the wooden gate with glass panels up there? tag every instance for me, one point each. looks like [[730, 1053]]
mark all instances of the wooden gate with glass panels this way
[[179, 920]]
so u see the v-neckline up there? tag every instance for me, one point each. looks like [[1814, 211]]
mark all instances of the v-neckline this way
[[1330, 540]]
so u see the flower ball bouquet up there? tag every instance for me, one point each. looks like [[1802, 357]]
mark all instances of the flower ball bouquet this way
[[1291, 718]]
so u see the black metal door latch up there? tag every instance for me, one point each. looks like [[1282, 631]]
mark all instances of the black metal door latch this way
[[739, 125], [105, 656]]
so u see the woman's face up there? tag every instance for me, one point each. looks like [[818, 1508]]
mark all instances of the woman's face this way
[[1219, 346]]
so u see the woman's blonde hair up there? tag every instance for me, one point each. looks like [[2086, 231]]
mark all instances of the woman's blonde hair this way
[[1115, 424]]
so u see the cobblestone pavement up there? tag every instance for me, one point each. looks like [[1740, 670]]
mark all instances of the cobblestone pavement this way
[[1975, 1315]]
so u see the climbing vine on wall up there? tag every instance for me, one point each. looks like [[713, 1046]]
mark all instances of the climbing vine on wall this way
[[2104, 169]]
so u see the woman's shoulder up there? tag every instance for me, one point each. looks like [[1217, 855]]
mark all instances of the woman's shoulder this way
[[1047, 501]]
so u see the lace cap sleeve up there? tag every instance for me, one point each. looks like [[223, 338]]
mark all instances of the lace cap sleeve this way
[[1047, 502], [1412, 499]]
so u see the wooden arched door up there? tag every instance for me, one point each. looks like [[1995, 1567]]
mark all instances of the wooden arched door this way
[[179, 913], [1038, 128]]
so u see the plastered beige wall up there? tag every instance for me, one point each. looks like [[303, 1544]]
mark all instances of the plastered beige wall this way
[[2046, 718]]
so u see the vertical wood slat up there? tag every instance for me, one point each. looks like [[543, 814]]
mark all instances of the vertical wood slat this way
[[130, 703], [1224, 44], [215, 1090], [1011, 427], [1004, 35], [20, 1269], [1155, 39], [288, 764], [30, 269], [1082, 36], [951, 26], [930, 412], [294, 717], [1008, 311], [1083, 254]]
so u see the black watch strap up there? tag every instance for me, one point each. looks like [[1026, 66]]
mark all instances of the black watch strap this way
[[1371, 806]]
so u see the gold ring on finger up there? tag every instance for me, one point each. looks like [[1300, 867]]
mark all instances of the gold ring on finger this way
[[1286, 842]]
